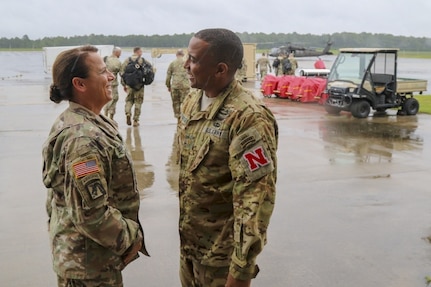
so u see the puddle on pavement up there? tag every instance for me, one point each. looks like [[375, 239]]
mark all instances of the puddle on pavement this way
[[145, 172], [369, 140]]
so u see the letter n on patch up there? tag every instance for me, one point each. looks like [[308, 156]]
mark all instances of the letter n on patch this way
[[256, 158]]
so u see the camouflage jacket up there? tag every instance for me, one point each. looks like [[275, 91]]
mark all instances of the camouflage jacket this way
[[176, 76], [114, 66], [92, 199], [227, 179], [263, 64]]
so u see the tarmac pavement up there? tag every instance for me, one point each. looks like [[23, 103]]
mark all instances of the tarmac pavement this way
[[352, 207]]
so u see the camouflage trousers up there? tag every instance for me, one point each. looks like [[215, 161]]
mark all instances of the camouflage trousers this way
[[134, 98], [263, 72], [178, 96], [193, 274], [116, 280], [111, 106]]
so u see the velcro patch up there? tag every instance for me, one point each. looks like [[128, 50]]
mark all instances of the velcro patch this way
[[257, 163], [256, 158], [86, 167], [95, 189]]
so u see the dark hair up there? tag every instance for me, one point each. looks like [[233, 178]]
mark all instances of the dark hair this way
[[136, 49], [224, 45], [67, 65]]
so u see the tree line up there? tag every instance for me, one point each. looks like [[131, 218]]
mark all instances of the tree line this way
[[262, 40]]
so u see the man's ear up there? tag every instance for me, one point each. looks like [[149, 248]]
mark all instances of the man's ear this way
[[222, 69], [78, 84]]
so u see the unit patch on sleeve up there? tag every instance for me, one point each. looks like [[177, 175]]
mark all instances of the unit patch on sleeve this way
[[86, 167], [95, 189], [257, 163]]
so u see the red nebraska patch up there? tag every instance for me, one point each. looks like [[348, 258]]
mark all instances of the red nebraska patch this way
[[256, 158]]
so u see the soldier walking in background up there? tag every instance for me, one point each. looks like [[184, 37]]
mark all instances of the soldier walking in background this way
[[177, 82], [134, 97], [293, 63], [113, 64], [262, 64]]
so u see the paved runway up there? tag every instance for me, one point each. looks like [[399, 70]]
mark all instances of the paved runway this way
[[352, 208]]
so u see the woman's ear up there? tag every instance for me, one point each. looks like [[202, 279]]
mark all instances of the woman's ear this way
[[78, 84]]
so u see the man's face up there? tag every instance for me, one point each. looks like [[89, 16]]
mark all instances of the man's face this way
[[200, 64]]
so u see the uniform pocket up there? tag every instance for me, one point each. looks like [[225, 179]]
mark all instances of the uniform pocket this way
[[200, 155]]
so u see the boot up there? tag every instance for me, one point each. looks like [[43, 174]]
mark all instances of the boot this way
[[128, 120], [135, 123]]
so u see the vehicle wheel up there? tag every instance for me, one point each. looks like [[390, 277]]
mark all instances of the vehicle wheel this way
[[411, 106], [332, 110], [360, 109]]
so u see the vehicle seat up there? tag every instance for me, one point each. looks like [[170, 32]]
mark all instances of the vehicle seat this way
[[382, 83]]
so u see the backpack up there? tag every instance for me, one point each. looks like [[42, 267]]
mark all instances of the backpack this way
[[136, 75], [276, 63], [286, 66]]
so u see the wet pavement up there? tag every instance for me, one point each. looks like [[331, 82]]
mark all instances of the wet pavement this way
[[352, 207]]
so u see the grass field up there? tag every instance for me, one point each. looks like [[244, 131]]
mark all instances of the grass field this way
[[424, 104]]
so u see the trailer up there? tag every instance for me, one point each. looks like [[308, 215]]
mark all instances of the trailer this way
[[50, 54], [365, 78]]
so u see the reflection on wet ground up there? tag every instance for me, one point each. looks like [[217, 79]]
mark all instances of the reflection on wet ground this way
[[172, 166], [144, 171], [368, 140]]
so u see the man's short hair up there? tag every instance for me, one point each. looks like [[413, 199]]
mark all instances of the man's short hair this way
[[136, 49], [224, 45]]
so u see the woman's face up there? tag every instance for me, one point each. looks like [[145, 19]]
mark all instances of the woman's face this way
[[98, 82]]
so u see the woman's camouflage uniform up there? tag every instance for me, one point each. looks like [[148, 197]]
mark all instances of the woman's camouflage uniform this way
[[227, 179], [92, 200]]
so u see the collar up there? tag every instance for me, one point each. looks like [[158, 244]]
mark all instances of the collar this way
[[220, 99]]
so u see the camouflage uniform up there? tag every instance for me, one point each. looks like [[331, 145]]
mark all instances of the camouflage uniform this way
[[241, 74], [92, 199], [178, 83], [114, 66], [134, 97], [227, 182], [294, 64], [263, 64]]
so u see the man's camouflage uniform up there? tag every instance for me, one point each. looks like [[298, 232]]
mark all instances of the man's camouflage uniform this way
[[134, 97], [263, 65], [93, 200], [113, 64], [227, 180], [179, 84]]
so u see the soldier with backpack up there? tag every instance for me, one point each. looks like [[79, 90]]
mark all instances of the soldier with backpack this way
[[293, 64], [135, 93]]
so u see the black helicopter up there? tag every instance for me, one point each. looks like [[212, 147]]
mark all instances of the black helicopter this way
[[300, 51]]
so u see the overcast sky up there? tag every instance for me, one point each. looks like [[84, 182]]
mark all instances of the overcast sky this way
[[50, 18]]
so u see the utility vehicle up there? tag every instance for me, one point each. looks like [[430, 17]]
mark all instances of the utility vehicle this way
[[365, 78]]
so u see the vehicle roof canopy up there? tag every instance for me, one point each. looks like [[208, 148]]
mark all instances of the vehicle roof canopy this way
[[369, 50]]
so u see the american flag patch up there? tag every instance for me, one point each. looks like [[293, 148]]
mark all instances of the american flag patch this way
[[85, 167]]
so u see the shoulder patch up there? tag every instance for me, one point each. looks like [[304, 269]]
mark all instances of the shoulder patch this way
[[95, 189], [86, 167], [257, 162], [256, 158]]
